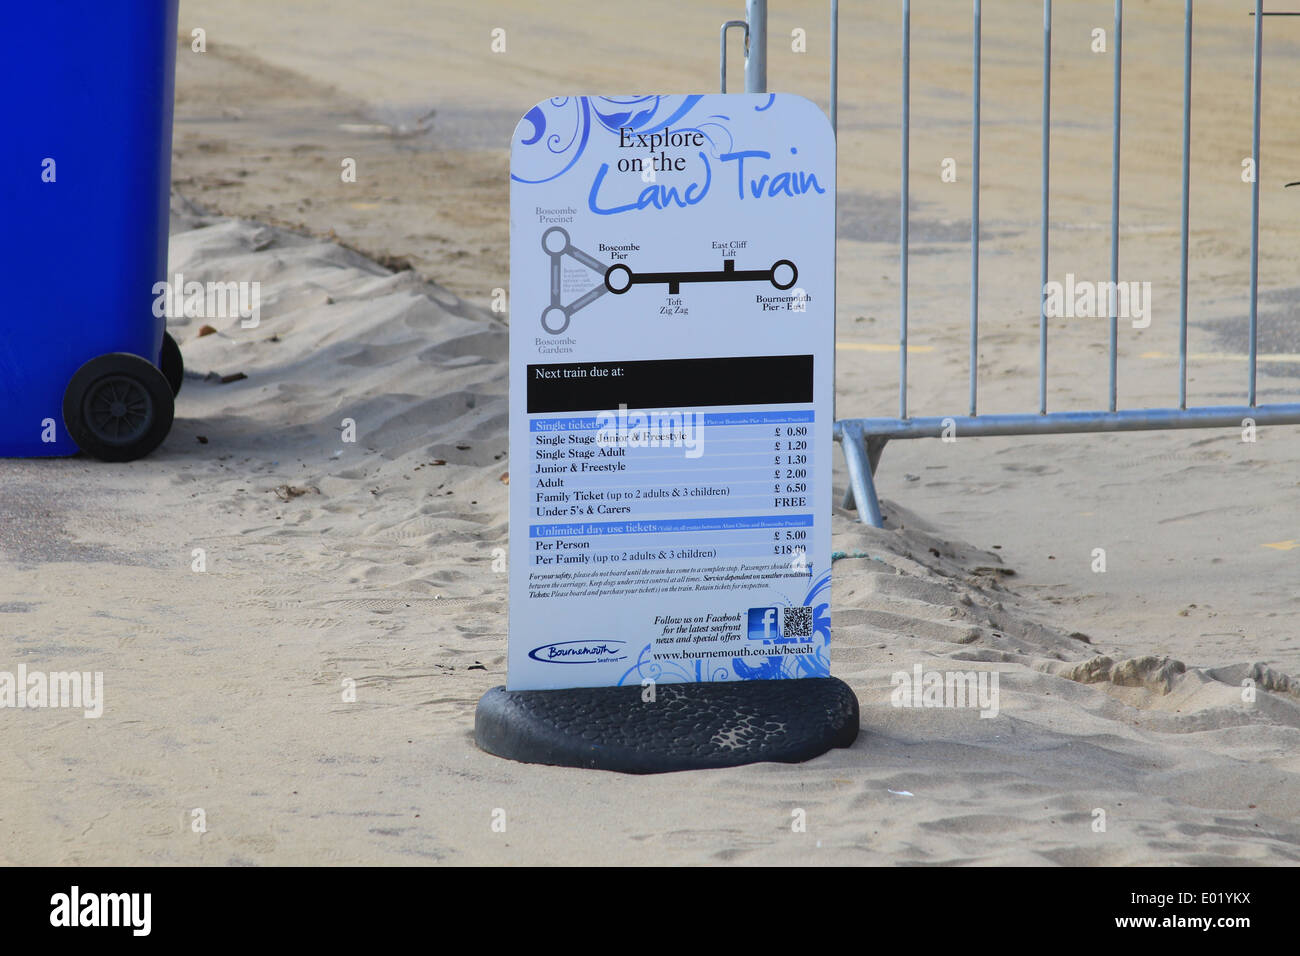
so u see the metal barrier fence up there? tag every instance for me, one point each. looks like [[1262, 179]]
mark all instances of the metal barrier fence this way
[[863, 439]]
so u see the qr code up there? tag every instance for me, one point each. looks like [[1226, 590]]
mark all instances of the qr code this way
[[796, 622]]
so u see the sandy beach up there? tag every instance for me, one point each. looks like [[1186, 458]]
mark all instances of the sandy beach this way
[[370, 564]]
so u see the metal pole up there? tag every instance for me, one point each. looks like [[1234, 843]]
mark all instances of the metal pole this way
[[835, 66], [1113, 303], [1254, 204], [756, 47], [1187, 153], [1047, 145], [975, 214], [722, 51], [904, 212], [722, 59]]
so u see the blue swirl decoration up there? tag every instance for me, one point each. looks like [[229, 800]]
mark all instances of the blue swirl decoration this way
[[556, 132], [776, 667]]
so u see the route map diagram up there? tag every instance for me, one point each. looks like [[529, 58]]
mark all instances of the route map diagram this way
[[619, 278]]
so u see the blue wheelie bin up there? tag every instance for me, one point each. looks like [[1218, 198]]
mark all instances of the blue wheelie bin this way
[[85, 170]]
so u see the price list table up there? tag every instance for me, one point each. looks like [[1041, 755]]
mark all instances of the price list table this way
[[645, 486]]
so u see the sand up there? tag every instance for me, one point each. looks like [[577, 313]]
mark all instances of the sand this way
[[372, 561]]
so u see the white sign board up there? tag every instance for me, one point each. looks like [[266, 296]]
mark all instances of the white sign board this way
[[672, 290]]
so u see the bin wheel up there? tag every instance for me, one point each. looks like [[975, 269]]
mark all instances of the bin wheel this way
[[118, 407], [171, 363]]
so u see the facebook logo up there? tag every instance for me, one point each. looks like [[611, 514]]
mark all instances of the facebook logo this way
[[764, 624]]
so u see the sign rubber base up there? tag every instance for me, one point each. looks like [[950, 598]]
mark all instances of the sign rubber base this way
[[687, 727]]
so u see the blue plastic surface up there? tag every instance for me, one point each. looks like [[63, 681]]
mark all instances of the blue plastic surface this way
[[89, 85]]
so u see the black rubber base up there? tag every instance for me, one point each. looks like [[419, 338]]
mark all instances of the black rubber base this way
[[686, 726]]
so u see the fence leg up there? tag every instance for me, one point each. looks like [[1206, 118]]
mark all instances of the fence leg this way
[[850, 500], [861, 455], [875, 445]]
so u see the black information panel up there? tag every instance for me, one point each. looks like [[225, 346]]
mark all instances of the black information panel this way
[[671, 383]]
